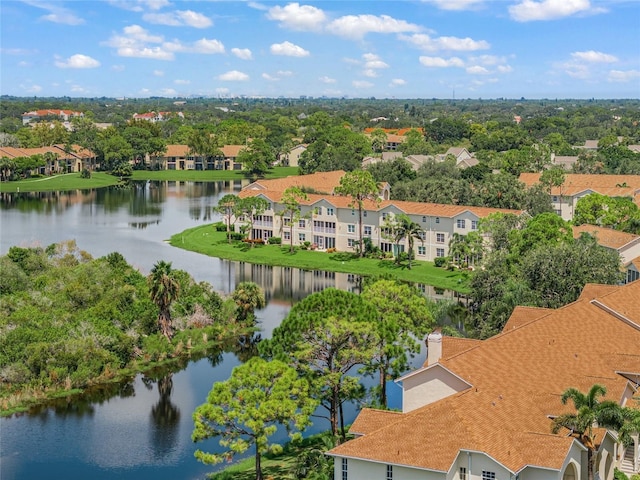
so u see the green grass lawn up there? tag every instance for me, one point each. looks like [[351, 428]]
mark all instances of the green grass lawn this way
[[72, 181], [67, 181], [206, 240]]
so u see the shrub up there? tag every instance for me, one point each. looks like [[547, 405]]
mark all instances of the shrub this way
[[305, 245], [275, 241], [440, 261], [236, 236], [85, 173], [220, 227], [619, 475]]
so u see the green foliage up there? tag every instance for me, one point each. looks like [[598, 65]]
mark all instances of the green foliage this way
[[246, 409], [248, 296], [620, 475], [619, 213]]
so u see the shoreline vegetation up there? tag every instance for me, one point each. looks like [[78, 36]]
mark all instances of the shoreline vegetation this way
[[205, 239], [73, 181]]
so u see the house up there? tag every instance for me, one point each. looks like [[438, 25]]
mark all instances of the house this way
[[58, 158], [332, 221], [633, 270], [483, 410], [626, 244], [575, 186], [180, 157], [155, 117], [64, 115], [565, 161], [395, 137], [292, 157]]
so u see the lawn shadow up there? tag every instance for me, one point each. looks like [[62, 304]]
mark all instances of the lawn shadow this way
[[343, 257], [393, 265]]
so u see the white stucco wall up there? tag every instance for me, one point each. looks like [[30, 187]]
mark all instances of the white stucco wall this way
[[362, 470], [428, 386]]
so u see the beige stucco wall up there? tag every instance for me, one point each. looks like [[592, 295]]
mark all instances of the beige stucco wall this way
[[428, 386], [362, 470]]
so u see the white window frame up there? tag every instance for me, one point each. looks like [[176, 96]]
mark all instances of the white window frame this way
[[351, 228]]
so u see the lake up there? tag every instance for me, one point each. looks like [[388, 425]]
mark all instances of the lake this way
[[139, 429]]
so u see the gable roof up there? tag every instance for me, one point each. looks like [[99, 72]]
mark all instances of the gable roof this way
[[607, 237], [517, 379], [577, 183], [322, 182]]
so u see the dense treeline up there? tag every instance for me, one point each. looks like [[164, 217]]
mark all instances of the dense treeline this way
[[69, 320]]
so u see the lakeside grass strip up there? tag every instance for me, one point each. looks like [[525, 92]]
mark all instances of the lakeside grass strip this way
[[206, 240], [73, 181]]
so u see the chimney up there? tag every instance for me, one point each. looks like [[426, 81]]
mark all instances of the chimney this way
[[434, 347]]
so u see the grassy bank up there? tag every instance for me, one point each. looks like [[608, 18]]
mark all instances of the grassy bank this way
[[72, 181], [206, 240], [65, 182]]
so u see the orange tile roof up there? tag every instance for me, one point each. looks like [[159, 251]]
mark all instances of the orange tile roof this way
[[176, 151], [232, 151], [611, 185], [370, 420], [324, 182], [517, 379], [607, 237], [523, 315]]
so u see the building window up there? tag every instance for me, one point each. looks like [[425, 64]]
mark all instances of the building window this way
[[351, 228], [437, 219], [422, 250], [439, 237], [367, 230], [555, 198], [287, 235], [463, 473], [385, 216], [302, 237], [632, 276], [301, 224], [345, 469], [318, 210], [389, 472], [330, 211], [474, 224], [460, 223], [353, 212], [488, 475], [286, 221], [424, 219], [351, 242], [364, 213], [558, 212], [439, 252]]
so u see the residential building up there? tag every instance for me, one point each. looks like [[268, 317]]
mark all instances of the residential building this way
[[64, 115], [632, 270], [565, 161], [58, 158], [332, 221], [575, 186], [462, 157], [292, 157], [626, 244], [483, 410], [179, 157], [155, 117]]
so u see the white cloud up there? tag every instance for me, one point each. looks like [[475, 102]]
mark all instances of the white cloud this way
[[397, 82], [168, 92], [594, 57], [234, 76], [370, 73], [477, 70], [31, 88], [373, 61], [288, 49], [425, 42], [440, 62], [158, 73], [284, 73], [57, 14], [208, 46], [505, 69], [362, 84], [118, 68], [269, 78], [78, 89], [140, 5], [298, 17], [620, 76], [222, 90], [179, 18], [326, 79], [455, 4], [156, 53], [357, 26], [179, 81], [77, 61], [242, 53], [531, 10]]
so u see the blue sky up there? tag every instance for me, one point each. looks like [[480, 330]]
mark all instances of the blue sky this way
[[384, 49]]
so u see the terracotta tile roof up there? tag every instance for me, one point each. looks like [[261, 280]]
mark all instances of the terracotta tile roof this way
[[636, 262], [455, 345], [176, 151], [59, 150], [607, 237], [517, 379], [320, 181], [232, 151], [611, 185]]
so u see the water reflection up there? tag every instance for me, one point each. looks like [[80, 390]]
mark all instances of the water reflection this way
[[165, 417]]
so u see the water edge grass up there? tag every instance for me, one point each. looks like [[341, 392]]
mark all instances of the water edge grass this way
[[206, 240]]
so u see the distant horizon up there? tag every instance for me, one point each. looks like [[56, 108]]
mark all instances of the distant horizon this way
[[418, 49]]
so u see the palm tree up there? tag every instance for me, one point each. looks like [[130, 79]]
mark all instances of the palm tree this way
[[248, 296], [163, 289], [410, 230], [590, 413]]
